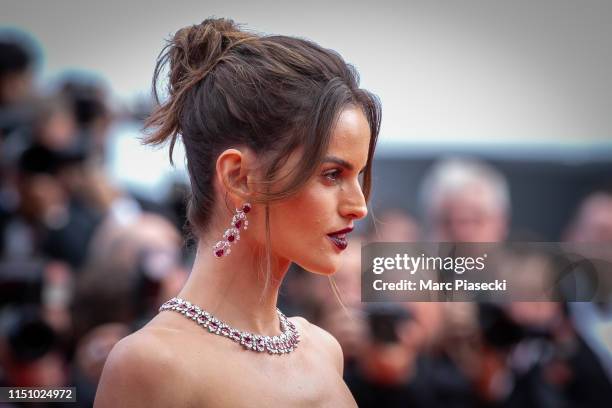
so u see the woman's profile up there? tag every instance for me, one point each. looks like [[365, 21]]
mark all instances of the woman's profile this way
[[279, 141]]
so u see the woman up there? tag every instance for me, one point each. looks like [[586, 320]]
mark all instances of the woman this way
[[278, 137]]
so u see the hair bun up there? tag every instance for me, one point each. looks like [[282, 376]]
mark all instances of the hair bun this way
[[191, 53], [198, 48]]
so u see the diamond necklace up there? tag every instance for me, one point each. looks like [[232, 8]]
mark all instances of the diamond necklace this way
[[284, 343]]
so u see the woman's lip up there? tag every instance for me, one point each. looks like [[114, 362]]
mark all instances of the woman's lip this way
[[342, 231], [338, 238], [340, 243]]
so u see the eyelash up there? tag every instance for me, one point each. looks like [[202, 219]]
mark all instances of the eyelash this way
[[334, 176], [335, 173]]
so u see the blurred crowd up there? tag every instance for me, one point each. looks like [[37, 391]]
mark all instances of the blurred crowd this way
[[467, 354], [84, 262]]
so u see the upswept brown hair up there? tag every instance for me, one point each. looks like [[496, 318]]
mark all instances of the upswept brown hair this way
[[274, 94]]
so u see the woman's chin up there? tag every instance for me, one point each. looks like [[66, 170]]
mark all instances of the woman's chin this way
[[327, 269]]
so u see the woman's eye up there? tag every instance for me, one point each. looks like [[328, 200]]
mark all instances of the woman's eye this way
[[332, 175]]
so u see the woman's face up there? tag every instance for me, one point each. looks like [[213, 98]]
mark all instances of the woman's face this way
[[302, 227]]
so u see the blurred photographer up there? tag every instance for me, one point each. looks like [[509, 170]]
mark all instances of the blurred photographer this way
[[388, 371]]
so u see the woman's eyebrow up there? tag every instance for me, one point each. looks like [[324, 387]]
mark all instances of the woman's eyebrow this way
[[342, 162]]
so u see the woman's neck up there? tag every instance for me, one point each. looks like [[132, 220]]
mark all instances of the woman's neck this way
[[232, 288]]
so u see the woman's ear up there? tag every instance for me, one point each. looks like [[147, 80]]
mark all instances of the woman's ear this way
[[234, 172]]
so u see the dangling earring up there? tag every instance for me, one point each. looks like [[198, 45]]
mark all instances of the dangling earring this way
[[232, 234]]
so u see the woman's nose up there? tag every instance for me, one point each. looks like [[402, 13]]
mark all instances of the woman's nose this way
[[355, 206], [360, 212]]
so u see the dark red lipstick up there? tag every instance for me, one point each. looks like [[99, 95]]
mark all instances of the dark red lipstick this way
[[338, 238]]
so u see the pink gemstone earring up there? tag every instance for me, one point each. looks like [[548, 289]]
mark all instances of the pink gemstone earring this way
[[232, 234]]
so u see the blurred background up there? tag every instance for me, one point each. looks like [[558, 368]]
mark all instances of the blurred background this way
[[496, 127]]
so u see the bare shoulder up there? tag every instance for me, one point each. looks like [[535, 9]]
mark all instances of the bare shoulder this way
[[138, 372], [322, 340]]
